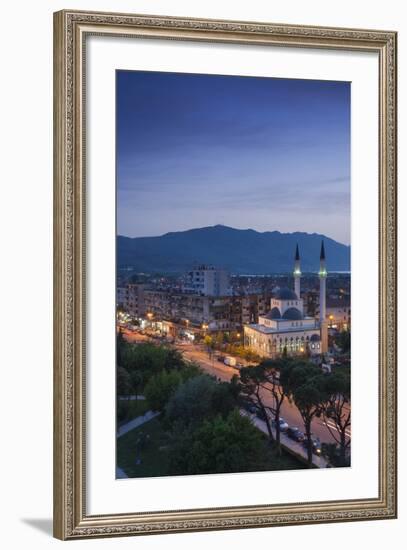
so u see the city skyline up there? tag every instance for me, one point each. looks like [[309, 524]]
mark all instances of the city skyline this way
[[245, 152]]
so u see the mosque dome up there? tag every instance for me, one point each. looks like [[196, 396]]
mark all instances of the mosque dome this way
[[286, 294], [293, 314], [274, 314]]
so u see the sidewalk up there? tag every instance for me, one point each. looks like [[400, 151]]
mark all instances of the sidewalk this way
[[286, 442], [136, 422], [131, 398]]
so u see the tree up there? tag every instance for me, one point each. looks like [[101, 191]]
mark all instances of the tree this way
[[209, 343], [173, 359], [273, 370], [136, 381], [262, 386], [337, 409], [160, 388], [230, 444], [199, 398], [121, 344], [123, 383], [303, 382], [148, 360], [219, 338], [344, 341], [252, 382]]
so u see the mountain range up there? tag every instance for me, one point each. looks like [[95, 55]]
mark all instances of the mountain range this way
[[241, 251]]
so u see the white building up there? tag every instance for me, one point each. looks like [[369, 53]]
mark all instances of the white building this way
[[207, 280], [285, 328]]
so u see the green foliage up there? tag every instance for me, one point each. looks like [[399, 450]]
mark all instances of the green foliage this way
[[121, 345], [343, 341], [148, 360], [123, 382], [161, 387], [136, 381], [199, 398], [337, 409], [338, 383], [127, 409], [230, 444], [122, 411], [304, 383]]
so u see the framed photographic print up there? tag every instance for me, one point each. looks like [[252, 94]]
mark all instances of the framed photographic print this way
[[225, 274]]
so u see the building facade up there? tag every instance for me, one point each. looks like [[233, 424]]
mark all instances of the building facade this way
[[130, 298], [285, 328], [207, 280], [338, 314], [217, 313]]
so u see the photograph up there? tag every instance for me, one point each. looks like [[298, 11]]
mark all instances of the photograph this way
[[233, 274]]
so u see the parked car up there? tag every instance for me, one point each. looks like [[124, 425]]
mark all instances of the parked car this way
[[316, 445], [230, 361], [295, 434], [250, 407], [220, 358], [283, 424]]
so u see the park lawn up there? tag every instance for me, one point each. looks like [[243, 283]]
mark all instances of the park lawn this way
[[149, 443]]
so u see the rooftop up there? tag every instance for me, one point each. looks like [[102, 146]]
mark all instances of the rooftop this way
[[286, 294]]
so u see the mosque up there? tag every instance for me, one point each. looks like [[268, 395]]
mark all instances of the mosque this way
[[285, 328]]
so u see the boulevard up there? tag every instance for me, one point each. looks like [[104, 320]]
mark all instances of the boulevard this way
[[197, 353]]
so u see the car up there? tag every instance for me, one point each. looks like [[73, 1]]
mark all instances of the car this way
[[316, 445], [250, 407], [229, 361], [283, 424], [295, 434]]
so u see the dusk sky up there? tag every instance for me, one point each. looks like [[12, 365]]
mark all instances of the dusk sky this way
[[261, 153]]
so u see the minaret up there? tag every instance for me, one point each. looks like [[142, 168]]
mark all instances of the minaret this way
[[322, 300], [297, 273]]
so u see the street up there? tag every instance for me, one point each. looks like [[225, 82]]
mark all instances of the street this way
[[212, 366]]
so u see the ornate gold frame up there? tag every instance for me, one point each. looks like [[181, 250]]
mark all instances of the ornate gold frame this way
[[70, 31]]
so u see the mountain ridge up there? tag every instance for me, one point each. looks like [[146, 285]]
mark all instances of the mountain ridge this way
[[238, 250]]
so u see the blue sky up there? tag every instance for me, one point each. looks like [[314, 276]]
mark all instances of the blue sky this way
[[261, 153]]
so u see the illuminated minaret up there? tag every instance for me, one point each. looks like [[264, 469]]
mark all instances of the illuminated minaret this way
[[322, 300], [297, 273]]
